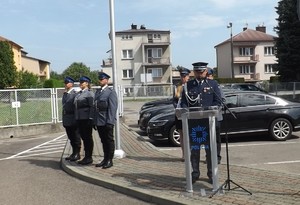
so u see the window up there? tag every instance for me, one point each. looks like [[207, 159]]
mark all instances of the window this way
[[246, 69], [154, 52], [246, 51], [127, 37], [127, 73], [269, 68], [156, 72], [269, 51], [127, 54], [252, 100]]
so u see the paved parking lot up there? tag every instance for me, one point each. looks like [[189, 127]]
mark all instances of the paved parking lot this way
[[256, 151]]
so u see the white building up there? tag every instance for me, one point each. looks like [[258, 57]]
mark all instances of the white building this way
[[143, 57], [253, 55]]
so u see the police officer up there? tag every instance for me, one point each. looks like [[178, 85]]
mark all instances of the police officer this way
[[200, 92], [184, 77], [84, 114], [68, 119], [106, 105]]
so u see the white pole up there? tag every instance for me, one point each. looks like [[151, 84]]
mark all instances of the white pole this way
[[119, 153]]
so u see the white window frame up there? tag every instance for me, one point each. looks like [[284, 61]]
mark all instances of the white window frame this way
[[156, 72], [246, 51], [246, 69], [155, 52], [127, 37], [129, 73], [127, 54], [269, 68], [269, 51]]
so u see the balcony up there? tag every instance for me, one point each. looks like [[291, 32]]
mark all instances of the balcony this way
[[157, 61], [246, 59], [107, 62]]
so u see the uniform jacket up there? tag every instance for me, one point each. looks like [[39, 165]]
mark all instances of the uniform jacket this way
[[105, 105], [204, 94], [84, 108], [68, 108]]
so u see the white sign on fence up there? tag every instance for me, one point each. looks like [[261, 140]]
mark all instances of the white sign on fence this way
[[15, 104]]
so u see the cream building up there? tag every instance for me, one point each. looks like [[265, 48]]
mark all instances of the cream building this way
[[253, 55], [23, 62], [143, 57]]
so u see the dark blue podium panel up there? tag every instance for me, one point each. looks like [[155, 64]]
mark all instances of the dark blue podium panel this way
[[199, 133]]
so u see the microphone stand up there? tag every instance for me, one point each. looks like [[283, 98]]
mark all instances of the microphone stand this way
[[228, 180]]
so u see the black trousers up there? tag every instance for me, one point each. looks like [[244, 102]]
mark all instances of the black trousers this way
[[106, 134], [85, 128], [195, 155], [74, 137]]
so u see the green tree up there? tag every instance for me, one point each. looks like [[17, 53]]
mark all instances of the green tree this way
[[27, 80], [8, 70], [76, 70], [55, 75], [288, 41]]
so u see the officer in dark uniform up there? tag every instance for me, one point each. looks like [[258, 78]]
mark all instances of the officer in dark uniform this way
[[200, 92], [106, 105], [84, 113], [68, 119]]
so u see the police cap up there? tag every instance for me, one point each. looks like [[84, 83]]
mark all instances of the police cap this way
[[184, 71], [200, 66], [69, 80], [103, 75], [85, 79], [210, 71]]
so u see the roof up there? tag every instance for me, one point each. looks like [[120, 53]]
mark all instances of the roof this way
[[250, 35], [11, 42], [132, 31]]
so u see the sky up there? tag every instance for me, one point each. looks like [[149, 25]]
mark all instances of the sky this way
[[66, 31]]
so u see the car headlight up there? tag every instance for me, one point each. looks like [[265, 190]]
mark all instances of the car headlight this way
[[159, 123]]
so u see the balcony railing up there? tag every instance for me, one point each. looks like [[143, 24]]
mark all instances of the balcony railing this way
[[246, 59], [157, 61]]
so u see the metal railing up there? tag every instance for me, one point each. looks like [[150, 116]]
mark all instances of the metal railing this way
[[19, 107]]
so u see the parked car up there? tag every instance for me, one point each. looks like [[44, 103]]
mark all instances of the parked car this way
[[147, 114], [242, 86], [154, 103], [256, 112]]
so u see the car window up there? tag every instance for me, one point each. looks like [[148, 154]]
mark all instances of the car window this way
[[270, 101], [252, 100], [231, 101]]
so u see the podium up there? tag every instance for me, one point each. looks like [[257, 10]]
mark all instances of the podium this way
[[199, 123]]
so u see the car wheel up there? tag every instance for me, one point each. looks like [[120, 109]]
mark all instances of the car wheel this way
[[174, 137], [281, 129]]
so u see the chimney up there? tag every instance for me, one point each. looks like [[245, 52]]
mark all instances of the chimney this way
[[133, 26], [245, 28], [261, 28], [143, 27]]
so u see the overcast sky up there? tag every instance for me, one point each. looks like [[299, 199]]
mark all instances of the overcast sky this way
[[67, 31]]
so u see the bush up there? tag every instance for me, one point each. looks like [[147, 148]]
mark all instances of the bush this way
[[53, 83]]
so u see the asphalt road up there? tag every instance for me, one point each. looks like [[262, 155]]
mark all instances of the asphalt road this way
[[31, 175], [257, 151]]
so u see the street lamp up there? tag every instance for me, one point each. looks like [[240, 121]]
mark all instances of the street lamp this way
[[231, 48]]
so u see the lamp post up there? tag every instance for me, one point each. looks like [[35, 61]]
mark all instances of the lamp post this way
[[231, 49]]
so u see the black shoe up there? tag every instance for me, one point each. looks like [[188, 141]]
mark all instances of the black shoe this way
[[108, 164], [74, 157], [194, 179], [68, 157], [103, 162], [210, 180], [86, 161]]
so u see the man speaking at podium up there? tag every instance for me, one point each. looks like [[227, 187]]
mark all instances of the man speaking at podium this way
[[201, 92]]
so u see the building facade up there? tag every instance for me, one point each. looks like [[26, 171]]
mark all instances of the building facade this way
[[39, 67], [143, 58], [253, 55]]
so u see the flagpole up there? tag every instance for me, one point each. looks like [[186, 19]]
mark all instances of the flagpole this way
[[119, 153]]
